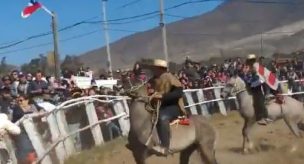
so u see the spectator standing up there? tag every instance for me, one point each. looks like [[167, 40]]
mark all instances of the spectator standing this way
[[23, 85], [14, 82], [38, 87], [6, 82], [24, 148]]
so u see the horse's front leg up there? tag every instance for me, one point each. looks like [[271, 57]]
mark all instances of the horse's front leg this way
[[248, 145]]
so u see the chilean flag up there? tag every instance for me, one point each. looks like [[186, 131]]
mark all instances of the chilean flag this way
[[266, 76], [30, 9]]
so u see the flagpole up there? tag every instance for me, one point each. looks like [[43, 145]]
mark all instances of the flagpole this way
[[47, 11], [55, 40], [107, 38]]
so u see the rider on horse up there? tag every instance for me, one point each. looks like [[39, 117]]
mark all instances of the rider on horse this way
[[169, 91], [255, 83]]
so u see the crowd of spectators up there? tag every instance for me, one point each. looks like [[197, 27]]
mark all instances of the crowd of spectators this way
[[195, 75]]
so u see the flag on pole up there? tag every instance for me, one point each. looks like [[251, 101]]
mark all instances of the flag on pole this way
[[31, 8], [267, 76]]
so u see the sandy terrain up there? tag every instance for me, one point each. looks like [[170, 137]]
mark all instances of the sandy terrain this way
[[273, 143]]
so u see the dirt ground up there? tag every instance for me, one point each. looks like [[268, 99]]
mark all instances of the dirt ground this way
[[273, 143]]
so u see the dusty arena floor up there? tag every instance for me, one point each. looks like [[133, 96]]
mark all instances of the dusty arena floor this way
[[273, 142]]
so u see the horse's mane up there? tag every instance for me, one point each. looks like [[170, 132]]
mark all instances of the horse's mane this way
[[139, 90]]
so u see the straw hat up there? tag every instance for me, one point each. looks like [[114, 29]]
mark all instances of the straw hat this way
[[251, 56], [159, 63]]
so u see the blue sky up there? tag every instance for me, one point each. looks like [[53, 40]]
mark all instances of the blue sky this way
[[87, 36]]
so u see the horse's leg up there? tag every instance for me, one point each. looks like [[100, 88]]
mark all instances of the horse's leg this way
[[207, 153], [140, 155], [185, 154], [247, 143], [293, 126]]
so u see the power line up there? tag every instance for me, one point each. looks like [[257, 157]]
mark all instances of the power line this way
[[129, 4], [147, 15], [110, 21], [50, 43]]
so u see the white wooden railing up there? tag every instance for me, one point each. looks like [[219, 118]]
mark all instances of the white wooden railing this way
[[61, 141]]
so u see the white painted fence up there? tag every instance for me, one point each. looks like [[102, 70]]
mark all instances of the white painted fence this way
[[62, 142], [198, 104]]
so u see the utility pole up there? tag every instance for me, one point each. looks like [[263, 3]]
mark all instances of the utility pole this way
[[107, 37], [164, 30], [261, 42], [56, 53]]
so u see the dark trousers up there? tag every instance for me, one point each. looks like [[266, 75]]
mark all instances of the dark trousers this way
[[166, 115], [259, 103]]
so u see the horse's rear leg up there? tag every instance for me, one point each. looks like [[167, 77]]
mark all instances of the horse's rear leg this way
[[207, 153], [293, 126], [185, 154]]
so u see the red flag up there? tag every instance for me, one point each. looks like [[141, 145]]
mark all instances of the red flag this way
[[29, 10], [266, 76]]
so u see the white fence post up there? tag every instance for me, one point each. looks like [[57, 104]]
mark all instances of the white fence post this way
[[201, 98], [124, 123], [55, 133], [217, 93], [64, 131], [190, 101], [92, 117], [36, 140]]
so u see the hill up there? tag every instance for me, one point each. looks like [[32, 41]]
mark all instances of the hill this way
[[222, 32]]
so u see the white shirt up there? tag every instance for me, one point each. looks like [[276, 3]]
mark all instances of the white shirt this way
[[7, 126]]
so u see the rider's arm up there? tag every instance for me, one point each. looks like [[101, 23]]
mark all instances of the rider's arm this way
[[173, 95]]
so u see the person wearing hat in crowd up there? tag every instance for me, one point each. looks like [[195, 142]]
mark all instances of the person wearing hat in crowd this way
[[169, 91], [23, 85], [255, 84]]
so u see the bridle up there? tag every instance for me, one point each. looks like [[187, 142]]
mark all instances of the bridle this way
[[236, 89]]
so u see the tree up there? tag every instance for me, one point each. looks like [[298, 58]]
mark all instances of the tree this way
[[33, 66], [71, 63], [3, 66]]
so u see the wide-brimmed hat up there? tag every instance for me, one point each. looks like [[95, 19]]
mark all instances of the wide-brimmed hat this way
[[251, 56], [159, 63]]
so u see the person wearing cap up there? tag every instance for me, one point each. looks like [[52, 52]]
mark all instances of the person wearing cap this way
[[169, 91], [23, 85], [255, 84]]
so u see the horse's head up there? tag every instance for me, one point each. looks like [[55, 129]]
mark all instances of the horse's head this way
[[233, 86], [139, 93]]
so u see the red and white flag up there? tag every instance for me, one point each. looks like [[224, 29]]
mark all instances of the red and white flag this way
[[31, 8], [267, 76]]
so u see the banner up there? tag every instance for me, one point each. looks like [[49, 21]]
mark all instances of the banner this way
[[106, 83], [82, 82]]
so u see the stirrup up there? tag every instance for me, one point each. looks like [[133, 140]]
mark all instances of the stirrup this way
[[262, 122], [161, 151]]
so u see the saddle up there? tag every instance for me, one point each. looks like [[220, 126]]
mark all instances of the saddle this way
[[180, 121], [279, 99]]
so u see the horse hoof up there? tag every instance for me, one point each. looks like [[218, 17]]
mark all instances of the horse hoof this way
[[293, 149], [245, 151]]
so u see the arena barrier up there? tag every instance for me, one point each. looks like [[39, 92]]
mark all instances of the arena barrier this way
[[197, 103], [61, 143]]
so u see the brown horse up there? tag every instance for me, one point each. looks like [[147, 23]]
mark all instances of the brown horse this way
[[199, 135]]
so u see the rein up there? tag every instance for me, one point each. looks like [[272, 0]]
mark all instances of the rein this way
[[149, 108]]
